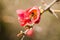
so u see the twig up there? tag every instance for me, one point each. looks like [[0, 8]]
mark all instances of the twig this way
[[56, 10], [48, 7]]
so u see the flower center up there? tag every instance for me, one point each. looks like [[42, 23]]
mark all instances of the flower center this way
[[33, 15]]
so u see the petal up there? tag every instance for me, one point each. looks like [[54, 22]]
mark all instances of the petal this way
[[29, 32], [21, 16], [36, 12], [20, 13]]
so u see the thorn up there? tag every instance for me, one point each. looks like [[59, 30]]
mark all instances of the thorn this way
[[53, 12]]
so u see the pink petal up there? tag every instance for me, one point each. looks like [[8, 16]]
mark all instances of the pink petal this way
[[30, 33], [20, 11], [38, 14]]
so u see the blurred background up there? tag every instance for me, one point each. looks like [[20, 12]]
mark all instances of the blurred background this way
[[9, 25]]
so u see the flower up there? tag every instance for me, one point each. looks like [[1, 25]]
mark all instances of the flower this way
[[34, 14], [22, 17], [30, 32], [31, 15]]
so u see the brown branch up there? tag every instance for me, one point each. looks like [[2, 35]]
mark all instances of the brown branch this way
[[56, 10]]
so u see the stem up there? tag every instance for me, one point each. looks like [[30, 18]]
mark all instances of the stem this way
[[22, 37], [48, 6], [56, 10]]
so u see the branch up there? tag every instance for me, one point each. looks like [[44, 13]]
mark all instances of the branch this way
[[56, 10], [48, 7]]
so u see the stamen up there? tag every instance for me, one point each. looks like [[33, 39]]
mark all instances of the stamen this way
[[32, 14]]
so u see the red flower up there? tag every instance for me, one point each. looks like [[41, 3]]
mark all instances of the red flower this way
[[30, 32], [31, 15], [34, 14]]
